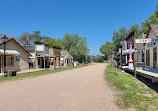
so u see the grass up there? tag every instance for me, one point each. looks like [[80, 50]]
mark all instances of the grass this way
[[132, 92], [34, 74]]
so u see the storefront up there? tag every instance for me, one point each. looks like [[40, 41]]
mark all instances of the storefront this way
[[17, 58], [151, 48]]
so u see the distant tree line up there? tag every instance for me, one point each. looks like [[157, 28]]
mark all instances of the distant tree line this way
[[109, 47]]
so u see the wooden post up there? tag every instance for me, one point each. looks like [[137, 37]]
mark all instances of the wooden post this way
[[121, 58], [135, 75]]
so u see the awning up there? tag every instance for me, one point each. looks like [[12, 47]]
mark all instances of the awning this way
[[9, 52], [46, 55]]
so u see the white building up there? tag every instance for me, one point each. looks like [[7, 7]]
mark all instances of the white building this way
[[66, 59], [151, 48]]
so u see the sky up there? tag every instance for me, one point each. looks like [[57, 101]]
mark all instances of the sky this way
[[94, 19]]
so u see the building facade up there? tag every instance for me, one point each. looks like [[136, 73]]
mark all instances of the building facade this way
[[151, 48], [139, 50], [42, 56], [17, 58], [66, 59]]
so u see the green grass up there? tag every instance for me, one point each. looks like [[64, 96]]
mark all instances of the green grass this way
[[132, 92], [34, 74]]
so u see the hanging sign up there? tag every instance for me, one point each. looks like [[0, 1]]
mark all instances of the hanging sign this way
[[151, 44], [39, 47], [145, 40]]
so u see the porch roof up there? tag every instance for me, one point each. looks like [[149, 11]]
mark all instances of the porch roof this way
[[46, 55], [10, 52]]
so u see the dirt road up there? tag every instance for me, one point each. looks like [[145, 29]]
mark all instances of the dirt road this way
[[82, 89]]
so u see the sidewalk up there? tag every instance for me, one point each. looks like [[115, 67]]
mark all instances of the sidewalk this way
[[149, 73], [30, 70]]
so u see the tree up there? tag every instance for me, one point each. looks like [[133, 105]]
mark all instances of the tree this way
[[53, 42], [99, 59], [118, 37], [36, 36], [107, 49], [76, 46], [25, 39], [137, 30]]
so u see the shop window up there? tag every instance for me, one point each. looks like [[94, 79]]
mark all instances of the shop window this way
[[9, 61], [148, 57]]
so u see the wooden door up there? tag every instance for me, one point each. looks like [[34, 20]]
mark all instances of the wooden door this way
[[155, 57]]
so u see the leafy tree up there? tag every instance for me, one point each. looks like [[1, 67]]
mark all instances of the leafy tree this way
[[107, 49], [99, 59], [137, 30], [76, 46], [118, 36], [36, 36], [53, 42], [69, 40], [25, 39]]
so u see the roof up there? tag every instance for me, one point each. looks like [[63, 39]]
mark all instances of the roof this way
[[1, 42], [129, 34], [29, 47], [63, 51], [142, 36], [46, 55], [155, 29], [37, 42]]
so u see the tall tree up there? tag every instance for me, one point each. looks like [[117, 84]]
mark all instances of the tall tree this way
[[53, 42], [25, 39], [76, 46], [137, 30], [107, 49], [118, 36]]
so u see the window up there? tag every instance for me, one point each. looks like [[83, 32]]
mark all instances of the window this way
[[148, 57], [9, 61]]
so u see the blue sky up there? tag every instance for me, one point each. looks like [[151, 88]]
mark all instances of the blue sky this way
[[94, 19]]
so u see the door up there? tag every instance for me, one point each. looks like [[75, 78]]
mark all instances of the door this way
[[155, 57]]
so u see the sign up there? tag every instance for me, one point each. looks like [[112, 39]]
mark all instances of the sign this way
[[151, 44], [40, 47], [18, 58], [146, 40], [130, 62]]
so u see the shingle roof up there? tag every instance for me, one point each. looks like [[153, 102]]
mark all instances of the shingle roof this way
[[29, 47], [155, 29], [129, 34]]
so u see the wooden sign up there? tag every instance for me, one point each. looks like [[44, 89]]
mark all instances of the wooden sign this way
[[145, 40]]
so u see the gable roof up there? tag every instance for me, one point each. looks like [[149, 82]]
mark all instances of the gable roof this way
[[1, 42], [155, 29], [129, 34], [29, 47]]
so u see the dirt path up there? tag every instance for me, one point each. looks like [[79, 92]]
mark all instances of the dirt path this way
[[82, 89]]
